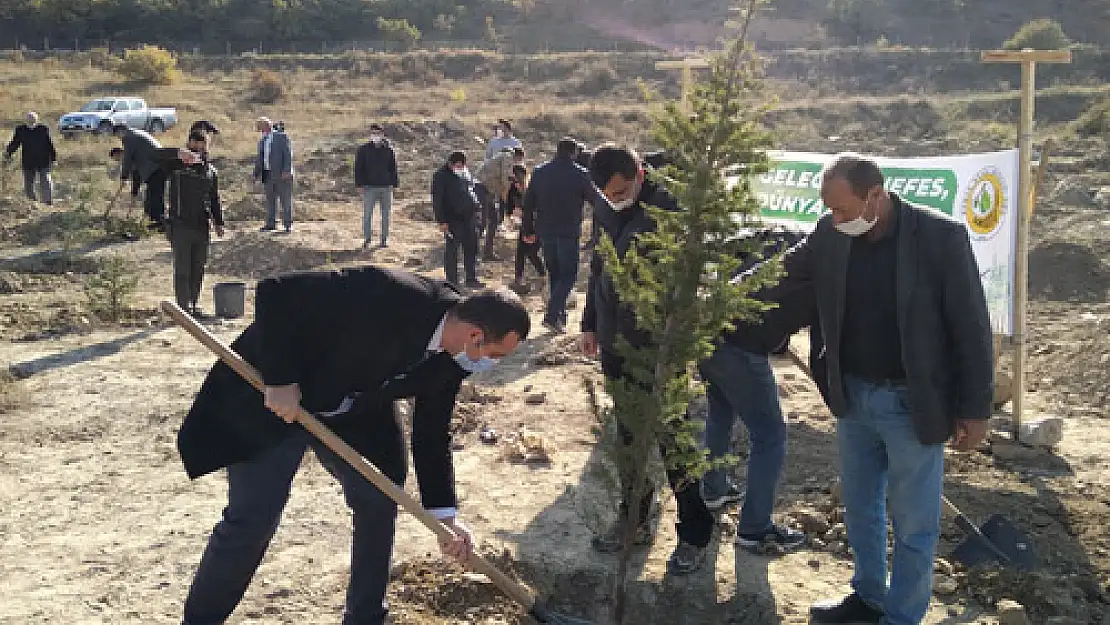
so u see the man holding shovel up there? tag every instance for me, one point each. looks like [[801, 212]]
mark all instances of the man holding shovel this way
[[344, 345], [907, 365]]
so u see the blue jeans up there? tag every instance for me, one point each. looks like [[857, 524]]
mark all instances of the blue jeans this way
[[371, 196], [257, 492], [560, 254], [742, 382], [883, 465]]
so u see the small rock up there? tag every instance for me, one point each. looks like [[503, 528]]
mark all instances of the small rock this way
[[1047, 432], [535, 399], [166, 343], [527, 388], [812, 522], [814, 564], [944, 585], [1011, 612]]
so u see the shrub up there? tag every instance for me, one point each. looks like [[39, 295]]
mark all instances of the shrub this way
[[109, 291], [150, 64], [400, 31], [1039, 34], [1095, 120], [266, 86]]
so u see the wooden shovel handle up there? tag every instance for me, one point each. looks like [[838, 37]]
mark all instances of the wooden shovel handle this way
[[509, 586]]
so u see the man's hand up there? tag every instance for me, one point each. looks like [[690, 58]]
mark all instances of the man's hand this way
[[284, 401], [969, 433], [589, 343], [288, 175], [219, 231], [360, 189], [188, 157], [519, 214], [529, 239], [462, 546], [444, 228]]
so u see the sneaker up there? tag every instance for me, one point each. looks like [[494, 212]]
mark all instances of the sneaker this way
[[366, 243], [787, 539], [609, 541], [851, 610], [267, 228], [383, 244], [733, 494], [686, 558], [288, 229]]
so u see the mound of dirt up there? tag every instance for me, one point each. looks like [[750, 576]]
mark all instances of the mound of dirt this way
[[427, 592]]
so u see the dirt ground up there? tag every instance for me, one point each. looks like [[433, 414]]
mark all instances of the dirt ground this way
[[99, 523]]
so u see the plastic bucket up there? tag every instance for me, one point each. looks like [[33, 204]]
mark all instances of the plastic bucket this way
[[230, 298]]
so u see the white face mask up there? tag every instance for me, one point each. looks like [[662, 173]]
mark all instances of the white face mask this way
[[859, 226], [623, 205]]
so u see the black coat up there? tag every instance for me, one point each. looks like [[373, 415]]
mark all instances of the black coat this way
[[947, 348], [140, 153], [376, 165], [557, 192], [360, 333], [453, 198], [38, 147], [604, 314], [795, 301]]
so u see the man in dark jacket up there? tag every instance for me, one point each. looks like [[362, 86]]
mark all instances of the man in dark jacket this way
[[908, 365], [619, 174], [376, 178], [194, 203], [370, 337], [37, 158], [556, 195], [455, 206], [739, 381], [139, 157]]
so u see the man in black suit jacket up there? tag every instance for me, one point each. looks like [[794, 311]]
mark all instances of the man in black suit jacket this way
[[344, 345], [139, 159], [906, 366]]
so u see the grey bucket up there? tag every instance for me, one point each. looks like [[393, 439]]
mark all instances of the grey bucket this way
[[231, 299]]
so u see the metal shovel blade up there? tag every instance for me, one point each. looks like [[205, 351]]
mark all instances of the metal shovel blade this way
[[1007, 546]]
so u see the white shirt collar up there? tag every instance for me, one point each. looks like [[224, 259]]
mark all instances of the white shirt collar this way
[[436, 344]]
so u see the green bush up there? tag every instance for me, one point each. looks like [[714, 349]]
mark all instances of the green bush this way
[[1095, 120], [1039, 34], [110, 290], [266, 86], [150, 64], [399, 30]]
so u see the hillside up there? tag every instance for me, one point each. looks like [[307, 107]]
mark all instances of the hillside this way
[[213, 26]]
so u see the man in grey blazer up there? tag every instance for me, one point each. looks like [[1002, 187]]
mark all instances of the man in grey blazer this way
[[139, 159], [906, 366], [274, 168]]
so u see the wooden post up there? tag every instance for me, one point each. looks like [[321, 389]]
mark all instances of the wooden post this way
[[1028, 59], [687, 65]]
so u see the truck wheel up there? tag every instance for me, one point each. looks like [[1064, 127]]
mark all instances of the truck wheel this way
[[157, 126], [104, 128]]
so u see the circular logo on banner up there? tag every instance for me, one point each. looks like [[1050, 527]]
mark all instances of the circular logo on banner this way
[[985, 203]]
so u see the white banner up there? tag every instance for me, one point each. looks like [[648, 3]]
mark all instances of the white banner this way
[[980, 190]]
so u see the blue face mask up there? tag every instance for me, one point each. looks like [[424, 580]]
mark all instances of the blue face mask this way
[[471, 365]]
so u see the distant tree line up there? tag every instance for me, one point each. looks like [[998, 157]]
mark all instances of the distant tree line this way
[[277, 23]]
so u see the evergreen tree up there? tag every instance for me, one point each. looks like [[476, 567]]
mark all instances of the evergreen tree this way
[[677, 279]]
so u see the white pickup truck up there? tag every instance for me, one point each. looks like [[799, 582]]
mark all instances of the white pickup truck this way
[[101, 114]]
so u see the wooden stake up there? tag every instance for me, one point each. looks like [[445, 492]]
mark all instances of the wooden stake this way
[[687, 65], [1028, 59]]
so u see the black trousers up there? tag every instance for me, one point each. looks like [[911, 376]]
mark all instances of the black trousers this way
[[461, 234], [257, 492], [155, 200], [531, 252], [491, 218], [695, 521], [190, 254]]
